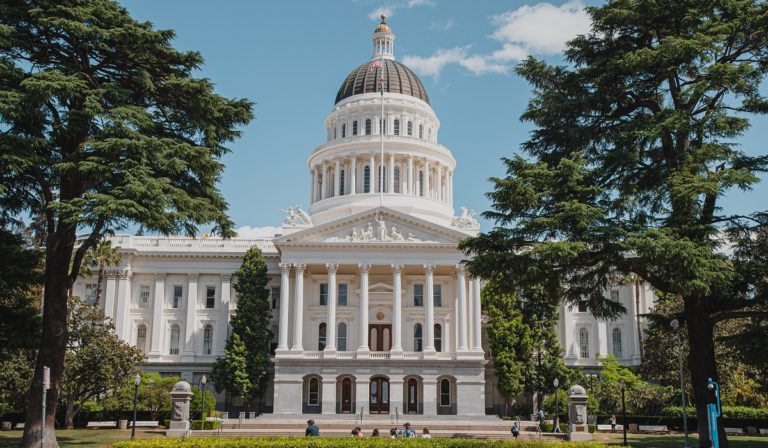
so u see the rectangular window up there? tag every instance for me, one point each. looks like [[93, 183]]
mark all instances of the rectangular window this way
[[418, 295], [178, 294], [616, 339], [342, 294], [144, 296], [615, 295], [445, 393], [438, 293], [323, 294], [354, 128], [210, 296], [208, 340], [275, 296], [90, 293], [582, 306]]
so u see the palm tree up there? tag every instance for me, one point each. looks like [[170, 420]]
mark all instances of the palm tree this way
[[104, 255]]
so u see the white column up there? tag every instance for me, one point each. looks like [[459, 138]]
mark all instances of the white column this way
[[439, 182], [411, 190], [477, 340], [397, 309], [122, 326], [391, 173], [632, 332], [285, 286], [323, 181], [602, 338], [364, 268], [157, 316], [190, 324], [352, 175], [330, 326], [314, 185], [226, 295], [429, 343], [426, 179], [569, 344], [373, 173], [336, 177], [109, 295], [298, 313], [461, 285], [450, 187]]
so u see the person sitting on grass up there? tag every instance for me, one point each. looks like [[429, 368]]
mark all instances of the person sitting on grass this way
[[425, 433], [312, 429]]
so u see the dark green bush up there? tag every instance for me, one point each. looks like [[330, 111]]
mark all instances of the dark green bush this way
[[340, 442], [735, 412], [209, 425]]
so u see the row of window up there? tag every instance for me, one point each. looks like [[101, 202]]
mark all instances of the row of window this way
[[175, 341], [380, 186], [177, 299], [368, 128], [582, 306], [616, 343], [378, 341], [342, 295], [313, 395]]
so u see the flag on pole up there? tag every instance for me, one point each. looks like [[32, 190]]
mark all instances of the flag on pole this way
[[375, 66]]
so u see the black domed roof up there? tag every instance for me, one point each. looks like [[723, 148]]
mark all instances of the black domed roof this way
[[397, 79]]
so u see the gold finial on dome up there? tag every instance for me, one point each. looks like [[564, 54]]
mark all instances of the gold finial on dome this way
[[383, 27], [383, 17]]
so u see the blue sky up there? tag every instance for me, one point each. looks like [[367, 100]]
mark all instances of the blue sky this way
[[290, 58]]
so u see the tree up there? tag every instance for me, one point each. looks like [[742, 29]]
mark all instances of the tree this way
[[631, 150], [103, 255], [96, 362], [104, 126], [154, 395], [243, 369]]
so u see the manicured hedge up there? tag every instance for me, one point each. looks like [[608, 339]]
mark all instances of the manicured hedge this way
[[345, 442], [736, 412]]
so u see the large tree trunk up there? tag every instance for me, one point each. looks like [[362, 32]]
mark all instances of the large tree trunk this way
[[701, 362], [69, 417], [100, 282], [53, 342]]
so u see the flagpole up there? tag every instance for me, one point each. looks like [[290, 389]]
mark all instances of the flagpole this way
[[382, 127]]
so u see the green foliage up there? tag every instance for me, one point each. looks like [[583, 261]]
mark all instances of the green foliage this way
[[195, 409], [642, 398], [321, 442], [728, 412], [243, 369], [97, 361], [154, 395], [208, 425], [102, 255]]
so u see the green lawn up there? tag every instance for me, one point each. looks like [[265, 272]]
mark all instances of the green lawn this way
[[676, 441], [82, 437]]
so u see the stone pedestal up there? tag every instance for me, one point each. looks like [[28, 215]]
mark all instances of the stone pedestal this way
[[181, 396], [578, 430]]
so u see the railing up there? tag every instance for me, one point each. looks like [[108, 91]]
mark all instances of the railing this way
[[379, 355], [345, 355], [413, 355], [175, 243]]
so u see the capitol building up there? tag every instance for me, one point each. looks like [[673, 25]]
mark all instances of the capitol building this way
[[372, 309]]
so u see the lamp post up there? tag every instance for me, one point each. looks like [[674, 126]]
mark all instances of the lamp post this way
[[556, 383], [675, 324], [136, 382], [203, 380], [623, 386]]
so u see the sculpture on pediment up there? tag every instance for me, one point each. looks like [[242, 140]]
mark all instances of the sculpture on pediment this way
[[381, 233], [296, 217], [382, 230], [466, 220], [289, 220], [304, 216], [395, 234], [367, 233]]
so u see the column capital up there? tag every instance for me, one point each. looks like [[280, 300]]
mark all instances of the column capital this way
[[461, 269], [331, 267], [160, 276], [193, 277], [125, 275], [397, 268], [299, 267], [227, 276], [112, 274], [285, 267], [364, 268], [429, 268]]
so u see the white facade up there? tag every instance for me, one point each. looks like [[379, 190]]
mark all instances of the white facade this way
[[372, 309]]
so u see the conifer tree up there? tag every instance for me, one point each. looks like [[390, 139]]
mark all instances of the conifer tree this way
[[104, 126], [633, 147]]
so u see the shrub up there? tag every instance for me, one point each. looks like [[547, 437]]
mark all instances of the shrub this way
[[735, 412], [209, 424], [341, 442]]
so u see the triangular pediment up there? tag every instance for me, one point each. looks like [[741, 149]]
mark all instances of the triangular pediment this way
[[380, 225]]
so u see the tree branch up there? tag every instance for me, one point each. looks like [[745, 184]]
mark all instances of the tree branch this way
[[737, 315], [89, 242]]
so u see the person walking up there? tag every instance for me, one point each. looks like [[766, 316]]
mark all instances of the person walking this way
[[312, 429], [515, 430], [557, 425], [613, 423]]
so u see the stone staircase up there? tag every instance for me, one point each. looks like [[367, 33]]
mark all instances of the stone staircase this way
[[269, 425]]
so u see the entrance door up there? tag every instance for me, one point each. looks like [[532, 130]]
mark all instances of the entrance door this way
[[379, 396], [413, 396], [346, 396], [380, 337]]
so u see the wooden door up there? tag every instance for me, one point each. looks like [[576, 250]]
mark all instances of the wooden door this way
[[380, 337], [413, 396], [346, 396], [378, 402]]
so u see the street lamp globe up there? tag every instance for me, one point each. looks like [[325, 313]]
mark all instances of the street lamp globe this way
[[137, 380], [675, 324], [623, 384], [556, 383]]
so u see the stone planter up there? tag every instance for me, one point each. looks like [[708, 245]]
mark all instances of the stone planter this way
[[5, 426], [122, 424]]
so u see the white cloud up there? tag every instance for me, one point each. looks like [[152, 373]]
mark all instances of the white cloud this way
[[541, 29], [258, 232], [382, 10], [447, 25], [389, 10], [415, 3]]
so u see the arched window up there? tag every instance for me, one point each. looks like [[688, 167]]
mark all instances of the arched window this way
[[417, 338], [445, 392], [397, 126], [342, 182], [343, 130], [321, 337], [397, 179], [438, 338], [421, 183], [354, 127], [313, 398], [410, 128], [208, 340], [175, 334], [368, 126], [382, 126], [341, 344], [583, 343], [141, 338], [382, 184], [367, 179], [616, 339], [421, 131]]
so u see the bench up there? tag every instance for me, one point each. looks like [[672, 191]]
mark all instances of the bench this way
[[112, 424], [608, 427], [734, 431], [145, 424], [21, 426], [653, 428], [763, 431]]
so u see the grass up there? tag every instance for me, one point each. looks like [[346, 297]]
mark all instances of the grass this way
[[677, 441], [89, 438]]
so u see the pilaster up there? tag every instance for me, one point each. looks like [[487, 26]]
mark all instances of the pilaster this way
[[157, 316], [190, 326], [298, 314]]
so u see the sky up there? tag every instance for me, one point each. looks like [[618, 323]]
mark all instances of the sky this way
[[290, 57]]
